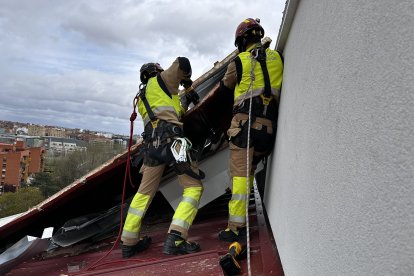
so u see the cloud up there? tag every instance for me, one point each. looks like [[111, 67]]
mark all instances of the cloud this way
[[75, 63]]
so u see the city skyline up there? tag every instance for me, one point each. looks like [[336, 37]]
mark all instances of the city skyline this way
[[56, 126]]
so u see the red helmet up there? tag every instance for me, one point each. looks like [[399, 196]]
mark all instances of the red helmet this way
[[244, 28], [149, 70]]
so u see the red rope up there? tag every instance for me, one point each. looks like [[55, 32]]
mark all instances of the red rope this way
[[127, 174]]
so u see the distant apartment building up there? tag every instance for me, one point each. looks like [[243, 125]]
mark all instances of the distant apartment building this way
[[33, 142], [7, 139], [99, 139], [55, 132], [36, 159], [36, 130], [21, 131], [58, 146], [18, 162]]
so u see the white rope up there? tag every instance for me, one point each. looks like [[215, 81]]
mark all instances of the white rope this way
[[252, 76], [185, 145]]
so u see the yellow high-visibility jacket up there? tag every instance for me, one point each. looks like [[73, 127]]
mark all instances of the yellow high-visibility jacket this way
[[159, 101], [274, 66]]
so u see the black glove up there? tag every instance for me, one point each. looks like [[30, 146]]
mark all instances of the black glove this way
[[192, 97], [186, 83]]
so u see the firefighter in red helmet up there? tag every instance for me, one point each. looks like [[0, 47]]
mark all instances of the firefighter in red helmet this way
[[254, 78], [160, 107]]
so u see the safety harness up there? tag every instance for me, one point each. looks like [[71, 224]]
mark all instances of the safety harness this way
[[264, 105], [165, 138], [142, 95], [157, 130], [267, 95]]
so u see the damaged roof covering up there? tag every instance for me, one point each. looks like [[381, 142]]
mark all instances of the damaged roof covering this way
[[81, 259], [79, 204]]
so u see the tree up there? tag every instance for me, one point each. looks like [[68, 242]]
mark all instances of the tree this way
[[60, 173], [20, 201], [45, 183]]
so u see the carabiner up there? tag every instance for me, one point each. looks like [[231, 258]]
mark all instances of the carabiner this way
[[254, 53]]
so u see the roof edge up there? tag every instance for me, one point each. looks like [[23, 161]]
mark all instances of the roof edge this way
[[287, 21]]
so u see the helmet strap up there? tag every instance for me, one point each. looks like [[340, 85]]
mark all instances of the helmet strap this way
[[241, 44]]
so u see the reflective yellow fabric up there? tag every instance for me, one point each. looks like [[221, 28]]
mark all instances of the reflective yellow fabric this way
[[135, 215], [177, 105], [159, 101], [240, 196], [187, 209], [274, 66]]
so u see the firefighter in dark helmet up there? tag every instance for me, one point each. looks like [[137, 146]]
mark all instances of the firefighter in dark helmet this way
[[254, 75], [160, 108]]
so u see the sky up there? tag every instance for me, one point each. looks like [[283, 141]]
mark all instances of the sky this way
[[75, 63]]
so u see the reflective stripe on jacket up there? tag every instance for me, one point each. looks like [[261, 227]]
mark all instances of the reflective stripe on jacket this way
[[159, 101], [274, 67]]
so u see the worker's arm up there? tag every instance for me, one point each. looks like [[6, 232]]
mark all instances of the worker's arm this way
[[229, 80], [230, 77], [179, 71], [190, 95]]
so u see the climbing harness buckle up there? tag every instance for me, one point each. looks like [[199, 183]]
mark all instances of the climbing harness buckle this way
[[154, 124], [266, 102]]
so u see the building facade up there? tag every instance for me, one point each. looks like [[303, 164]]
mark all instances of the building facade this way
[[55, 132], [340, 189], [58, 146], [36, 130], [17, 163], [37, 161]]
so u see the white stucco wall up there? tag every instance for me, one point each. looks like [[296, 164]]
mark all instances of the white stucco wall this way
[[340, 189]]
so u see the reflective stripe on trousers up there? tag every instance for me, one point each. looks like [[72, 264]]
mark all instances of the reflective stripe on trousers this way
[[135, 215], [240, 195], [188, 207]]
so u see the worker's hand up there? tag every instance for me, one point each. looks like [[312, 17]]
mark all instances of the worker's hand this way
[[192, 97], [186, 83], [188, 98]]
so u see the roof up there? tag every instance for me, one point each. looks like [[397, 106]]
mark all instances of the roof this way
[[6, 220], [81, 259]]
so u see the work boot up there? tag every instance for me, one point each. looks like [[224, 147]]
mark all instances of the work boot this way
[[175, 244], [130, 250], [229, 235]]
